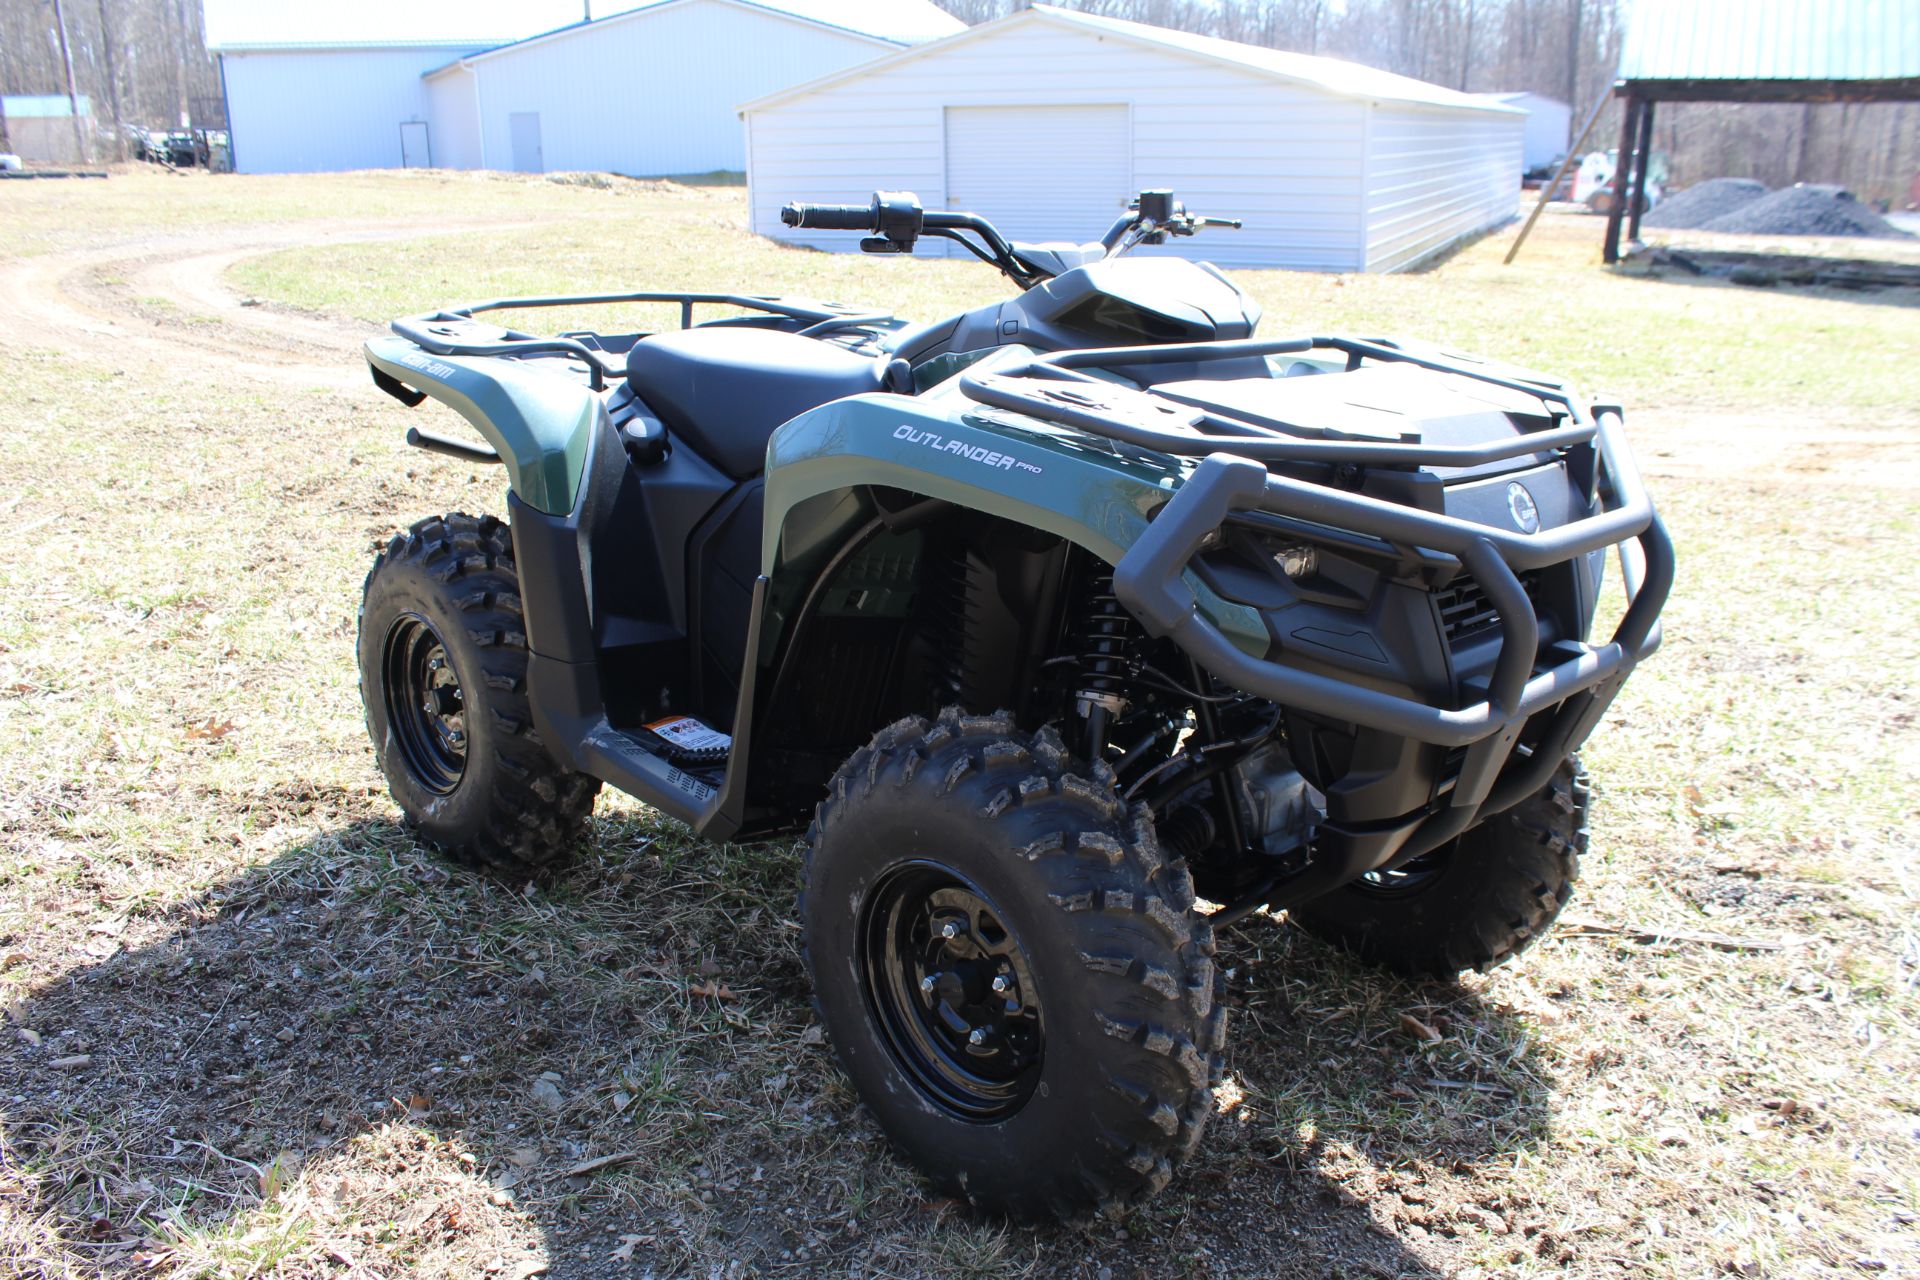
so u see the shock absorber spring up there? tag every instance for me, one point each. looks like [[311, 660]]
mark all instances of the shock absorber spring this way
[[1187, 831], [1107, 633]]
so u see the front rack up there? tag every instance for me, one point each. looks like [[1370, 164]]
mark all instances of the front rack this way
[[1035, 387], [1234, 482], [439, 332]]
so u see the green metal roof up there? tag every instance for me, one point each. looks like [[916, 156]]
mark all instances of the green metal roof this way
[[42, 106], [1772, 40]]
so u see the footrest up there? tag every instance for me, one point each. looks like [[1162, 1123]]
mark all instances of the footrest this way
[[635, 763]]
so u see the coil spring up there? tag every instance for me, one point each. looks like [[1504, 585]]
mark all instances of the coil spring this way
[[1187, 831], [951, 634], [1107, 635]]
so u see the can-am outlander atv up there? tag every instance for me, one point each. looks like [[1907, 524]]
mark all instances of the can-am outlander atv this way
[[1070, 630]]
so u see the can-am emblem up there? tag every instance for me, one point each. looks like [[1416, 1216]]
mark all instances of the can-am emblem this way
[[1525, 514]]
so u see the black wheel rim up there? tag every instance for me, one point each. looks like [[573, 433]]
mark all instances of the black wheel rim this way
[[426, 709], [951, 991]]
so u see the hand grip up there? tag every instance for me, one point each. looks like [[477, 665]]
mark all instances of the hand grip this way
[[829, 217]]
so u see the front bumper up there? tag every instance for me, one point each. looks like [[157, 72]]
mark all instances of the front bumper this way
[[1556, 696]]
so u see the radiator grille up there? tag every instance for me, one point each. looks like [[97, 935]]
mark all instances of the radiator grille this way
[[1465, 611]]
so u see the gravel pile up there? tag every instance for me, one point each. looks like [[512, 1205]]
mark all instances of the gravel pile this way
[[1805, 210], [1703, 202]]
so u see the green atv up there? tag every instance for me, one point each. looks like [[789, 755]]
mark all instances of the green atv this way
[[1070, 630]]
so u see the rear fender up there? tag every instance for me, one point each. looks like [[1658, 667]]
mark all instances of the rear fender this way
[[539, 422]]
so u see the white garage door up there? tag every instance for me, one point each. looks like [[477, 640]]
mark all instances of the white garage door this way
[[1040, 173]]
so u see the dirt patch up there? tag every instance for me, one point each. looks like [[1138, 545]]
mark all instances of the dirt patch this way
[[622, 185], [163, 300], [1787, 448]]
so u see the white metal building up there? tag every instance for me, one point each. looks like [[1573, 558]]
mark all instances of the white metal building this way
[[653, 90], [318, 87], [647, 87], [1046, 120], [1549, 126]]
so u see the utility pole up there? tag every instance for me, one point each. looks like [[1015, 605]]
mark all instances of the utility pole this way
[[82, 153]]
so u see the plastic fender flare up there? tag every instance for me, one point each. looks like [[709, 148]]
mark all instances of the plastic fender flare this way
[[539, 422], [1093, 499]]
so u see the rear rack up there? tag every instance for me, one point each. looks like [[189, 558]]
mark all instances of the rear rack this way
[[439, 331], [1233, 484]]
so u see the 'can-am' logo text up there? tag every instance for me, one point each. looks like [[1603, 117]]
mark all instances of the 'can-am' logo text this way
[[972, 452], [432, 368]]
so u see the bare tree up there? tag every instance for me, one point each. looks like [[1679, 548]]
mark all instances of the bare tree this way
[[143, 61], [112, 82]]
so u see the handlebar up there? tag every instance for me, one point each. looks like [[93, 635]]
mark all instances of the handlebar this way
[[829, 217], [1152, 217], [897, 221]]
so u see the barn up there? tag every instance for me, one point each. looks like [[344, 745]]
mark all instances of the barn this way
[[1046, 120], [643, 88]]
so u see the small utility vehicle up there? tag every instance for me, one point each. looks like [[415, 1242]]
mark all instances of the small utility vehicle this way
[[1070, 630]]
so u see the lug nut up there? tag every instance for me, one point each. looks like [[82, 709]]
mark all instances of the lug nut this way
[[927, 984], [1001, 986], [949, 930], [977, 1036]]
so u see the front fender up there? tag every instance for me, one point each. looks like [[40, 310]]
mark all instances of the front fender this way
[[948, 447], [539, 422]]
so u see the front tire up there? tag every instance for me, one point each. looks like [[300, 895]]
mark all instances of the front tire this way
[[1473, 904], [443, 674], [1012, 974]]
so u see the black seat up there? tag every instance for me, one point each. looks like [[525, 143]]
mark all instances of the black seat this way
[[724, 390]]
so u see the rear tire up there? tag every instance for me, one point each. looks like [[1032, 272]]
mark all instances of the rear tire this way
[[443, 674], [1470, 905], [1092, 1074]]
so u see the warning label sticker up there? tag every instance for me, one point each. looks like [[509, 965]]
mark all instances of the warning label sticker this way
[[689, 734]]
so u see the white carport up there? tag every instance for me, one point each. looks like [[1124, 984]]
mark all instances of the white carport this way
[[1047, 120]]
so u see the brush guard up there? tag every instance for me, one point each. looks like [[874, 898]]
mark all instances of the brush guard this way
[[1234, 484]]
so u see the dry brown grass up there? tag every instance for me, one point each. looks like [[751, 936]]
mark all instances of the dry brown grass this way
[[311, 1048]]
